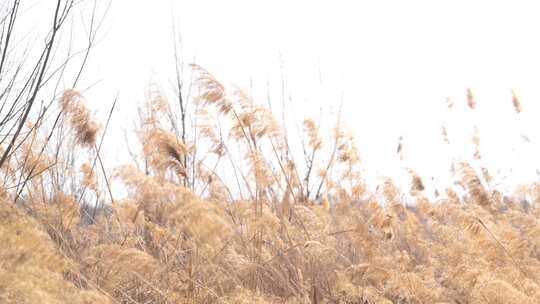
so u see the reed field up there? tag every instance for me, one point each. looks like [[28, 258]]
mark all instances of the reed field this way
[[218, 203]]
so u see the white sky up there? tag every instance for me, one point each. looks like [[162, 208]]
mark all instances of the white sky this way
[[395, 62]]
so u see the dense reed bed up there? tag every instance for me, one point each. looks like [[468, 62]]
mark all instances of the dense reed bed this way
[[219, 209]]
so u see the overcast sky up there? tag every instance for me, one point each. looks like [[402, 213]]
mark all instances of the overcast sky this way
[[394, 62]]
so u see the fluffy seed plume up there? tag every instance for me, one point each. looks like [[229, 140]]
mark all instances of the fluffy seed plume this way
[[80, 118], [516, 103], [473, 185], [310, 127], [164, 150], [471, 101], [211, 90]]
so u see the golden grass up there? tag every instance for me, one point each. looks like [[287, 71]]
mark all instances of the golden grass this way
[[279, 231]]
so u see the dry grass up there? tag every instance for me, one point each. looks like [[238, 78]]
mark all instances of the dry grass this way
[[270, 229]]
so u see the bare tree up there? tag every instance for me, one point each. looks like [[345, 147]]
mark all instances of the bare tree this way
[[33, 76]]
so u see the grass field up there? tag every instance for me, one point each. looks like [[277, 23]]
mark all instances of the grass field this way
[[219, 210], [219, 198]]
